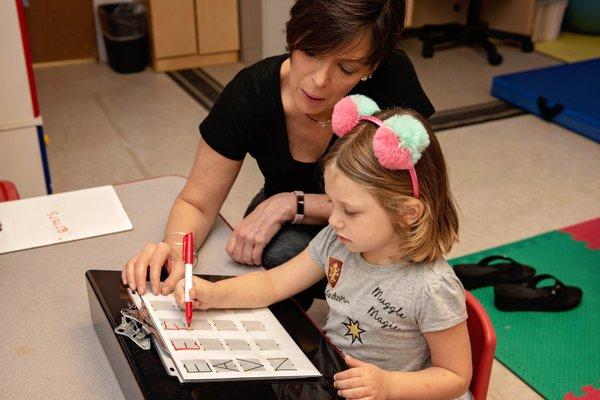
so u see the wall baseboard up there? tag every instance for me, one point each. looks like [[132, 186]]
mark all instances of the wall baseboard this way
[[61, 63]]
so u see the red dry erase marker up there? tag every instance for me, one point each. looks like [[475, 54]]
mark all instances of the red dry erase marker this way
[[188, 259]]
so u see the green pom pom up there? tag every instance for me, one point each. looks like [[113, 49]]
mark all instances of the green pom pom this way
[[364, 104], [411, 133]]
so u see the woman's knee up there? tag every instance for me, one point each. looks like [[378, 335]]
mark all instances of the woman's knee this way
[[286, 244], [277, 253], [259, 198]]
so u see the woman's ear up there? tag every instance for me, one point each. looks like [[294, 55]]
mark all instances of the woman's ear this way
[[412, 210], [372, 71]]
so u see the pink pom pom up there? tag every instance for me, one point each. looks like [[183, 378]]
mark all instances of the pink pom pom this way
[[390, 153], [344, 117]]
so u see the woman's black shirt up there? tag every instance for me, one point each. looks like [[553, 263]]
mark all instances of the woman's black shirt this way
[[248, 117]]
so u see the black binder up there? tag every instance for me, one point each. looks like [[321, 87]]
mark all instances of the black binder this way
[[142, 374]]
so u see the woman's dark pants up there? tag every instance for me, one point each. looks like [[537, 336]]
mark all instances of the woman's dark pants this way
[[285, 245]]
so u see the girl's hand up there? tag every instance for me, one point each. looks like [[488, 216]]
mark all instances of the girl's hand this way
[[249, 239], [201, 293], [361, 381]]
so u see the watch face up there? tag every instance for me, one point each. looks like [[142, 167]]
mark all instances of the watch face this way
[[299, 202]]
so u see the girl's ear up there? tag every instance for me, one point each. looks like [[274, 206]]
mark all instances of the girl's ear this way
[[412, 210]]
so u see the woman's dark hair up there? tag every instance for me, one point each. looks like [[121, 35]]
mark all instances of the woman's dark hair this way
[[326, 26]]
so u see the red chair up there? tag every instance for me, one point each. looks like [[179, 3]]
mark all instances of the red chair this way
[[8, 191], [483, 346]]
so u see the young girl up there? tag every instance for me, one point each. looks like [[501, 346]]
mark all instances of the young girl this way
[[397, 310]]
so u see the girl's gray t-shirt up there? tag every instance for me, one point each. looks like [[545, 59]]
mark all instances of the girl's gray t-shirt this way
[[378, 313]]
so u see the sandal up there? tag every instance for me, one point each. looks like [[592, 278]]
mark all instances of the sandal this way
[[528, 297], [483, 273]]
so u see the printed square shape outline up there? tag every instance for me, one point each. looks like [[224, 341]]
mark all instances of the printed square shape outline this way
[[184, 344], [267, 344], [224, 325], [251, 364], [237, 344], [224, 365], [253, 326], [201, 325], [162, 305], [210, 344], [196, 366], [282, 364], [173, 324]]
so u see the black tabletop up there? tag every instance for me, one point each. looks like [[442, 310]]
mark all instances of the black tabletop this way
[[155, 383]]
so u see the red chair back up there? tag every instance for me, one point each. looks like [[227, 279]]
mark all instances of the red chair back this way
[[483, 346], [8, 191]]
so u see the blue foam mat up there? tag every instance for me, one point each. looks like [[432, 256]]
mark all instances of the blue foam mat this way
[[572, 91]]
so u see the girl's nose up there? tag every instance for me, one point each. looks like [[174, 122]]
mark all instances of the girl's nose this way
[[335, 222]]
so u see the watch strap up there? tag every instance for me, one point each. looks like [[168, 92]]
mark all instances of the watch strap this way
[[299, 207]]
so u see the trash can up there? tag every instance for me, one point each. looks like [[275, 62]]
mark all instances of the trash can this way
[[548, 19], [125, 31]]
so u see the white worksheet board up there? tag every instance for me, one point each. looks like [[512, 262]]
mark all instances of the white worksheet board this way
[[62, 217], [229, 344]]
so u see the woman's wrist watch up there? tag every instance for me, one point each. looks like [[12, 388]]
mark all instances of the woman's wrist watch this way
[[299, 207]]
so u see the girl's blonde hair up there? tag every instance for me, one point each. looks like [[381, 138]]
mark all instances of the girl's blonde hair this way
[[432, 235]]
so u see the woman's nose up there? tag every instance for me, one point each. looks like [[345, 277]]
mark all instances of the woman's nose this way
[[321, 75]]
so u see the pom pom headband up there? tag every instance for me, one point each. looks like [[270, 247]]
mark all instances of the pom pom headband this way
[[399, 141]]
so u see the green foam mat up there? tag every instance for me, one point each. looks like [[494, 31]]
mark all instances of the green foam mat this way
[[553, 352]]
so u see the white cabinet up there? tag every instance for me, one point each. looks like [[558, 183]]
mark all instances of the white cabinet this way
[[22, 146], [22, 160]]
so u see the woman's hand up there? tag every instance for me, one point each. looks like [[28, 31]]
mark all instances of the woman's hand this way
[[249, 239], [153, 256], [361, 381], [201, 293]]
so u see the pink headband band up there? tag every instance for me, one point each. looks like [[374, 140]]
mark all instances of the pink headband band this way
[[411, 168], [399, 141]]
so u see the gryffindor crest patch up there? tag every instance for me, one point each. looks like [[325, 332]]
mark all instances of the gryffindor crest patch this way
[[334, 271]]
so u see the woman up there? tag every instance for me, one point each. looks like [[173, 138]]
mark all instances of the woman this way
[[279, 111]]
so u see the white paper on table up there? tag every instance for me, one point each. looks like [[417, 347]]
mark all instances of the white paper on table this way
[[62, 217], [228, 344]]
